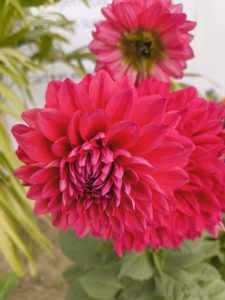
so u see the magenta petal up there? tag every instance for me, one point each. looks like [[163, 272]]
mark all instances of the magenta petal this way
[[44, 175], [37, 147], [67, 102], [73, 129], [52, 123], [93, 123], [127, 13], [171, 180], [122, 135], [152, 16], [150, 137], [51, 95], [149, 109], [30, 117], [121, 105], [61, 147], [101, 89]]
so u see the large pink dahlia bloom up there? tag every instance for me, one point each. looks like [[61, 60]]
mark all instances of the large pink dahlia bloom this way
[[198, 205], [143, 38], [101, 159]]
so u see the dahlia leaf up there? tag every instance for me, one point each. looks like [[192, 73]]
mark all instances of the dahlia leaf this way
[[101, 283], [177, 284], [136, 266], [7, 284], [204, 273], [76, 292], [216, 290], [191, 253], [84, 252], [139, 290]]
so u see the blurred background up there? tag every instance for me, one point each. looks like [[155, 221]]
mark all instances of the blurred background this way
[[208, 44]]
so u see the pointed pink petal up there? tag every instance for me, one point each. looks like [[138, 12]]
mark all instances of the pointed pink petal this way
[[61, 147], [51, 95], [127, 13], [37, 147], [122, 135], [149, 109], [73, 129], [101, 89], [150, 137], [171, 180], [52, 123], [93, 123], [121, 104], [67, 102], [30, 117]]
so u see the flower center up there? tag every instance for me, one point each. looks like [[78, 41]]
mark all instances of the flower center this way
[[89, 175], [141, 49]]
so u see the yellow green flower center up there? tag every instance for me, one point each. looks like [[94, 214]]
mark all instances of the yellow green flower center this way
[[141, 49]]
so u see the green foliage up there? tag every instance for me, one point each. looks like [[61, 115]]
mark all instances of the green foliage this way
[[137, 266], [27, 43], [8, 283], [17, 220], [183, 274]]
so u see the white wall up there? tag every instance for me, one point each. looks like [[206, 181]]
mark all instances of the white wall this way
[[209, 42]]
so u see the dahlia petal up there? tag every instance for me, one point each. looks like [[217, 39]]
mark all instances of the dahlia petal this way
[[121, 105], [92, 123], [52, 123], [81, 227], [101, 89], [51, 95], [32, 142], [25, 172], [35, 192], [44, 175], [149, 109], [82, 99], [122, 135], [30, 117], [61, 147], [51, 189], [73, 129], [67, 102], [168, 155], [126, 14], [172, 119], [151, 136], [171, 180], [141, 191], [19, 130], [146, 209], [151, 17]]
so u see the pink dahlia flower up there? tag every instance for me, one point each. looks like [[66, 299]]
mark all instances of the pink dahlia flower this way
[[143, 38], [198, 205], [101, 159]]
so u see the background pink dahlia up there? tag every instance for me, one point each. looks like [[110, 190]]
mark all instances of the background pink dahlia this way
[[200, 202], [102, 159], [142, 39]]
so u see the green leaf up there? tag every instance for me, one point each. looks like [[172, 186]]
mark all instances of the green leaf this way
[[75, 291], [139, 290], [137, 266], [191, 253], [204, 273], [216, 290], [179, 285], [101, 284], [7, 284], [83, 251]]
